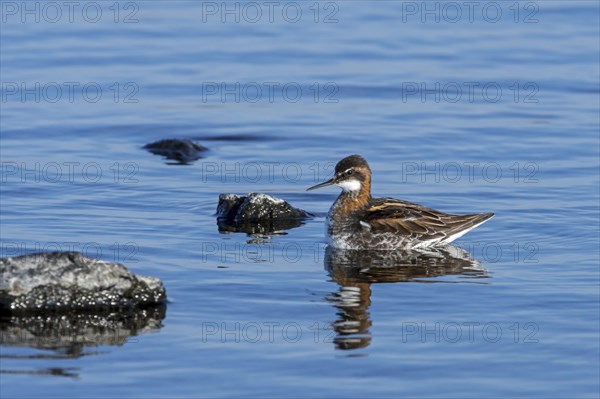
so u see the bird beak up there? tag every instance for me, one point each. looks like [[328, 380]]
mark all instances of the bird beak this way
[[329, 182]]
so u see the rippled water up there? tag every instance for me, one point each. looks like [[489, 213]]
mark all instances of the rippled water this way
[[495, 114]]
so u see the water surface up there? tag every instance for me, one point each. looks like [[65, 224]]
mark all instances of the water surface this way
[[461, 116]]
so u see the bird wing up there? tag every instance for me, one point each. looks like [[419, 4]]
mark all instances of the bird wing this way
[[416, 221]]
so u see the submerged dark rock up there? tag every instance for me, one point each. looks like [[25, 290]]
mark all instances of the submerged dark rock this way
[[183, 151], [66, 281], [257, 213]]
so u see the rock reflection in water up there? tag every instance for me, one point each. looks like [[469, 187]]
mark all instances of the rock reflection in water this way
[[259, 228], [355, 271], [69, 335]]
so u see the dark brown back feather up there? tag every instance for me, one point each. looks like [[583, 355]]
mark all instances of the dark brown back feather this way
[[414, 220]]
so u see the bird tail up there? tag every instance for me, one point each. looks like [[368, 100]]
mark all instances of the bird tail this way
[[469, 222]]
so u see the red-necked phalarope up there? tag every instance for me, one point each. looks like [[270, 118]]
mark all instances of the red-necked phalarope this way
[[358, 221]]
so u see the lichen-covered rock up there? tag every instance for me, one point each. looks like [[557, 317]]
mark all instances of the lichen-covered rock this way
[[257, 213], [58, 281], [181, 150]]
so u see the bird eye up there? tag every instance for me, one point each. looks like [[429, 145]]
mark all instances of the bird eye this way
[[349, 172]]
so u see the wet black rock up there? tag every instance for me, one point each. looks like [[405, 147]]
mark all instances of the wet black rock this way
[[181, 150], [66, 281], [257, 213]]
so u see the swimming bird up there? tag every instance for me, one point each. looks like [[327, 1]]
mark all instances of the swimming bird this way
[[358, 221]]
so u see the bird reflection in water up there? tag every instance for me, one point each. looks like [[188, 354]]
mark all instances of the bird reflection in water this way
[[355, 271]]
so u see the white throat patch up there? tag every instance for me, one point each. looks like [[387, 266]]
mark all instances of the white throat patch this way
[[349, 185]]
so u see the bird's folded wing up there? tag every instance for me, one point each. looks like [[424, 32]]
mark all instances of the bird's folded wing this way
[[414, 220]]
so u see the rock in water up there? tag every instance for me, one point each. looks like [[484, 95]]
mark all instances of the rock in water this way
[[256, 207], [183, 151], [257, 214], [59, 281]]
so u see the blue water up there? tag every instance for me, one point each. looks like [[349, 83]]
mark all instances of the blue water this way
[[461, 112]]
